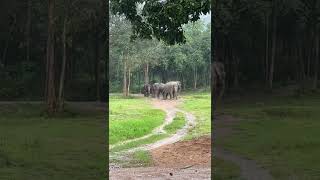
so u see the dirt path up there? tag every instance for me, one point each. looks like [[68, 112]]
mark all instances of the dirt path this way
[[250, 170], [166, 150], [171, 110], [157, 173], [170, 107]]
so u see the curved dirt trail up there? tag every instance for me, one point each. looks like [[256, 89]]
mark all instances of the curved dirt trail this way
[[156, 172], [250, 170], [169, 106]]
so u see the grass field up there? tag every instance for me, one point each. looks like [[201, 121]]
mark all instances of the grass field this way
[[178, 122], [134, 117], [281, 133], [224, 170], [33, 146], [199, 104], [131, 118]]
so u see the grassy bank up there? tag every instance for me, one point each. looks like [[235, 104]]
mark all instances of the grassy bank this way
[[178, 122], [131, 118], [199, 104], [224, 170], [33, 146], [280, 133]]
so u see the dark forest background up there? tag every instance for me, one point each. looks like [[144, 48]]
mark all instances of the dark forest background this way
[[63, 42], [268, 44]]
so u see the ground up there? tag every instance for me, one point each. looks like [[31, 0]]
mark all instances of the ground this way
[[168, 156], [277, 133], [68, 146]]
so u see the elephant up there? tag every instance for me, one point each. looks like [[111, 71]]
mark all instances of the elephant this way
[[218, 78], [172, 88], [146, 90], [157, 89], [167, 90], [176, 88]]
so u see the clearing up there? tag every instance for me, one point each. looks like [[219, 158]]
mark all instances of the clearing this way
[[278, 132], [169, 150], [68, 146]]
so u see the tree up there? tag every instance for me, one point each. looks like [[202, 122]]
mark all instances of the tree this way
[[50, 80], [161, 19], [154, 60]]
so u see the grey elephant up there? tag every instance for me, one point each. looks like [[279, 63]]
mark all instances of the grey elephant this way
[[167, 90], [176, 88], [172, 88], [146, 90], [157, 89]]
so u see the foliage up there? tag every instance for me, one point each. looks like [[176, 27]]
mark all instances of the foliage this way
[[247, 31], [161, 19], [165, 62], [23, 76]]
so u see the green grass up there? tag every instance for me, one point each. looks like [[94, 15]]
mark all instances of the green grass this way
[[224, 170], [141, 158], [131, 118], [281, 133], [177, 123], [125, 112], [199, 104], [33, 146]]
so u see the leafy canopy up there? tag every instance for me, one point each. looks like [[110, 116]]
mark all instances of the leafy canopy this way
[[162, 19]]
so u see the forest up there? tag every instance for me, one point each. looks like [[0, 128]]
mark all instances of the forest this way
[[159, 48], [268, 44], [134, 63], [53, 50], [266, 120]]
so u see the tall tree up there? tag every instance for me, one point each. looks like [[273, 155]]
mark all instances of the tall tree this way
[[274, 42], [50, 71]]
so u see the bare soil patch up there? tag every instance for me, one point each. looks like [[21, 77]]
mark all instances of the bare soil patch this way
[[184, 153]]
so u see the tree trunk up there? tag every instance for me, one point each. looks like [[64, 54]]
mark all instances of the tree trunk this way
[[236, 73], [63, 68], [129, 81], [274, 43], [267, 48], [4, 54], [28, 29], [308, 55], [97, 66], [139, 79], [146, 73], [125, 78], [195, 77], [51, 96], [316, 67]]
